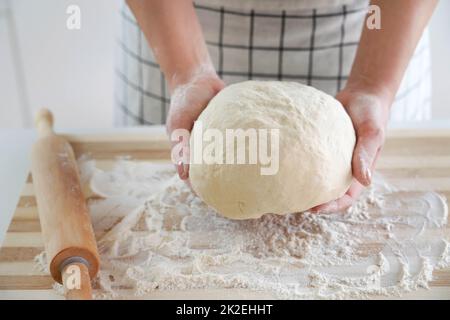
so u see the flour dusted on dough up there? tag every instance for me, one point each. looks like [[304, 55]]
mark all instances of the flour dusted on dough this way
[[154, 234], [316, 142]]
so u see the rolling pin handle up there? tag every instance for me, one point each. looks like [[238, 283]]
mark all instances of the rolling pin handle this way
[[44, 122], [75, 279]]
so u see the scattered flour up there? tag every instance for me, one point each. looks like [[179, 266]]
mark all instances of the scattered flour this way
[[154, 234]]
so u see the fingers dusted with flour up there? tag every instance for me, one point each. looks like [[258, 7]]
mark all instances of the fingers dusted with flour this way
[[187, 102], [343, 202], [369, 115]]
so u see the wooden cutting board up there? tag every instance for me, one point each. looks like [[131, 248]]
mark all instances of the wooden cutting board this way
[[419, 159]]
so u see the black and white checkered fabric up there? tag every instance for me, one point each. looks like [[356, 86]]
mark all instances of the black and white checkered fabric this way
[[314, 47]]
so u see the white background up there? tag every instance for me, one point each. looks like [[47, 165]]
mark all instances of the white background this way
[[72, 72]]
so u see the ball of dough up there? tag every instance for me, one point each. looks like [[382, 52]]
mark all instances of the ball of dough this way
[[316, 141]]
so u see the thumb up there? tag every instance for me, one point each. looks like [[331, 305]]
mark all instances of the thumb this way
[[367, 148], [180, 152], [183, 170]]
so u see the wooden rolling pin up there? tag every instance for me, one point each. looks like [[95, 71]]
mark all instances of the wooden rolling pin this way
[[66, 227]]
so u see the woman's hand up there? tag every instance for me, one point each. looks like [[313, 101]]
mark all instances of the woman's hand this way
[[188, 100], [369, 113], [380, 63], [174, 33]]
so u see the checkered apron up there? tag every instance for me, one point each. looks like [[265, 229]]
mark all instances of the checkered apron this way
[[314, 46]]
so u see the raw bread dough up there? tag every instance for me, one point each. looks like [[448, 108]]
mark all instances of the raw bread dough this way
[[316, 141]]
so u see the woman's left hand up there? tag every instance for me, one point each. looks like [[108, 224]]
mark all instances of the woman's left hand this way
[[369, 113]]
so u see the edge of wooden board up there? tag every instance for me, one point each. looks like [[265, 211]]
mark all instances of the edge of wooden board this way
[[161, 136]]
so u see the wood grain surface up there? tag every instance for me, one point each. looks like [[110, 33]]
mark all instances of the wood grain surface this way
[[419, 159]]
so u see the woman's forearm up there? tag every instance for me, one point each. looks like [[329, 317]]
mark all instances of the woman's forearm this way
[[383, 54], [175, 36]]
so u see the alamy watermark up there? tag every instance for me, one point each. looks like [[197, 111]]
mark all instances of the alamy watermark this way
[[73, 21], [73, 277], [373, 21], [233, 146]]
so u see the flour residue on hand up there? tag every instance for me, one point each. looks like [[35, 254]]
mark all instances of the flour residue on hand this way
[[153, 234]]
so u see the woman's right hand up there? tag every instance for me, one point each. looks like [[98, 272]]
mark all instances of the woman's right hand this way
[[188, 100]]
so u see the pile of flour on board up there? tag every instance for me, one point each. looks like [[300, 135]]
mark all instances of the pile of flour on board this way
[[154, 234]]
